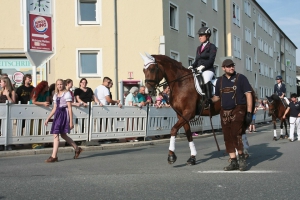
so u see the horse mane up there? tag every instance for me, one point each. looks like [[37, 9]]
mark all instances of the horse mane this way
[[174, 63], [275, 97]]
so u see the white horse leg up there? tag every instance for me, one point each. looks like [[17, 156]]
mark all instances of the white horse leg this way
[[172, 144], [192, 148]]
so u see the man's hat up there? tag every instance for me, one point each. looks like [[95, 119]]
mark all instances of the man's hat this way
[[228, 62]]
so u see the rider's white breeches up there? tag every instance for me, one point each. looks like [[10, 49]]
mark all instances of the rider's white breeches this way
[[207, 76]]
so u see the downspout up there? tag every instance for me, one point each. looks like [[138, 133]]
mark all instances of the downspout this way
[[116, 51], [225, 34]]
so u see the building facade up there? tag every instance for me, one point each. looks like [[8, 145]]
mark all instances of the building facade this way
[[98, 38]]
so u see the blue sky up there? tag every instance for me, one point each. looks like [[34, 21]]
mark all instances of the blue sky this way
[[286, 14]]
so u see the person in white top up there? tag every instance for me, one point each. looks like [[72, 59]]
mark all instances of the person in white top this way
[[103, 95]]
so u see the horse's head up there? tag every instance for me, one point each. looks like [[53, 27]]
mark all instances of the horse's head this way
[[272, 103], [153, 73]]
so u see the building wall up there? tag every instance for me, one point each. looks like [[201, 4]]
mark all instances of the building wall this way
[[144, 26], [179, 41]]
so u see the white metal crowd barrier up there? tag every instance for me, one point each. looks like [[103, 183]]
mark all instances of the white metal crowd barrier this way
[[114, 122], [23, 124]]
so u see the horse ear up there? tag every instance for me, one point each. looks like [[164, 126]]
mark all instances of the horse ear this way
[[147, 61], [149, 56]]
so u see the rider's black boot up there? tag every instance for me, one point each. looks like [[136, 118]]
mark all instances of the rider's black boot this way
[[208, 93]]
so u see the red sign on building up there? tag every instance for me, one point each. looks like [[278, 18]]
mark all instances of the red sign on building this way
[[40, 33]]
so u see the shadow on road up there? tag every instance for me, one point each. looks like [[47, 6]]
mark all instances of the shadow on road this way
[[110, 153], [261, 153]]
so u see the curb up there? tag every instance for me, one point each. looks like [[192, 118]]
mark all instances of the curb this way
[[27, 152]]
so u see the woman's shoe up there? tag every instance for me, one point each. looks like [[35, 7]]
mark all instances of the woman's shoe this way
[[51, 160], [77, 152]]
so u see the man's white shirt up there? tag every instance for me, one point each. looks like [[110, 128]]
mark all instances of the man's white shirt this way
[[101, 92]]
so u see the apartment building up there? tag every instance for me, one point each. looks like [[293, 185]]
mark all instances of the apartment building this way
[[259, 47], [97, 38]]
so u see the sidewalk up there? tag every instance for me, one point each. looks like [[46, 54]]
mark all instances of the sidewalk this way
[[26, 149]]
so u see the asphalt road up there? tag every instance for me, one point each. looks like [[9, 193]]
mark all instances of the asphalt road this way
[[143, 173]]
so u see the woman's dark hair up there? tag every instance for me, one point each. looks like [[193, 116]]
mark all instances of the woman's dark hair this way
[[25, 76], [83, 79]]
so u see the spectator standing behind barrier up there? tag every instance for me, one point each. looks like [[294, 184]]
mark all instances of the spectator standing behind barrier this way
[[84, 94], [69, 84], [132, 99], [40, 97], [7, 91], [51, 92], [166, 94], [103, 94], [294, 108], [252, 125], [142, 97], [23, 92], [63, 120]]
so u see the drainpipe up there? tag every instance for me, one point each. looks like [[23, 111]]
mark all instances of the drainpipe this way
[[116, 51], [225, 35]]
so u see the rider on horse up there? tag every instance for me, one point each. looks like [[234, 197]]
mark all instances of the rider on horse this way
[[280, 90], [205, 58]]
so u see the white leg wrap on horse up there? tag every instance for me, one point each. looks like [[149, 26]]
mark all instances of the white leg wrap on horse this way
[[275, 135], [172, 144], [281, 131], [193, 148]]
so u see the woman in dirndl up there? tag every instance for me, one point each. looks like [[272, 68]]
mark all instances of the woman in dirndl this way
[[63, 120]]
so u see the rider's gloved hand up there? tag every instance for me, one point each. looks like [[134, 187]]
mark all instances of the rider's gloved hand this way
[[248, 118], [190, 67], [200, 68]]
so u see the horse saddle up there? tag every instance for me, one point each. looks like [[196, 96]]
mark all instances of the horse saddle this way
[[200, 87]]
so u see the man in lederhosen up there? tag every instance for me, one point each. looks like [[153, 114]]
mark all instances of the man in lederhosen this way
[[235, 93]]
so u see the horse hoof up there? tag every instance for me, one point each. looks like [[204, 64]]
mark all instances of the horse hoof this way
[[286, 136], [191, 161], [172, 158], [275, 138]]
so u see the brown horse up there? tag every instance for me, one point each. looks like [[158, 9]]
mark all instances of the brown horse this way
[[183, 96], [276, 110]]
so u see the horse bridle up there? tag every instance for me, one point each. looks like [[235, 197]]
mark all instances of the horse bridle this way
[[156, 81], [273, 110]]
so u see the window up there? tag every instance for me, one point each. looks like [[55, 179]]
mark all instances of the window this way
[[236, 47], [259, 20], [190, 25], [215, 5], [191, 60], [270, 30], [248, 35], [247, 7], [203, 24], [89, 62], [173, 16], [88, 11], [174, 55], [266, 49], [236, 14], [215, 38], [255, 55], [254, 28], [248, 63], [271, 51], [277, 37], [204, 1]]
